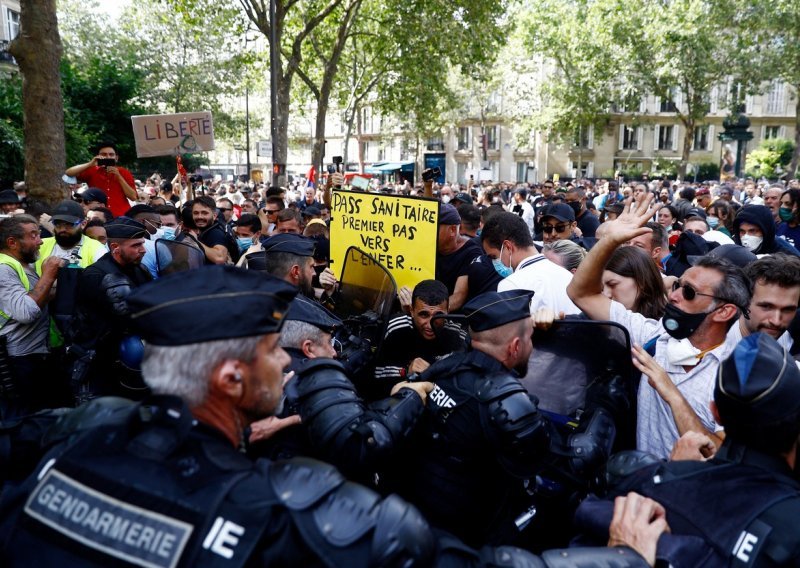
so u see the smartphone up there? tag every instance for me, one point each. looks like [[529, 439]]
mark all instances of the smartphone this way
[[106, 162]]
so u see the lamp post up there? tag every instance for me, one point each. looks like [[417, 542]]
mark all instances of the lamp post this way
[[247, 127]]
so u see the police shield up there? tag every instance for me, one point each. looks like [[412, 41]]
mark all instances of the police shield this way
[[177, 256], [576, 355]]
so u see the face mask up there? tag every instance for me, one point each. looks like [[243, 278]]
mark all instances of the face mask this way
[[785, 213], [679, 324], [244, 243], [752, 242], [682, 352], [503, 270], [713, 222], [445, 199], [576, 206], [479, 231], [167, 233]]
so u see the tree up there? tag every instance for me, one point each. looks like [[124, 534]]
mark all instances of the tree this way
[[778, 31], [37, 50], [771, 158]]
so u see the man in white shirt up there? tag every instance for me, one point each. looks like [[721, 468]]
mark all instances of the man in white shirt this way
[[519, 205], [688, 343], [509, 244]]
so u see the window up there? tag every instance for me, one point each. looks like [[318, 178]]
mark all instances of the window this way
[[629, 137], [666, 137], [464, 138], [495, 169], [367, 157], [435, 143], [584, 137], [703, 138], [522, 172], [405, 153], [381, 153], [669, 103], [772, 131], [775, 98], [461, 172], [587, 169], [493, 138], [12, 19]]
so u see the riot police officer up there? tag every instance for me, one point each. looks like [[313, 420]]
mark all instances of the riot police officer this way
[[161, 482], [337, 425], [741, 507], [483, 435]]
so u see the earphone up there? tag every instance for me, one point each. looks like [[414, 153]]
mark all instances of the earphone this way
[[237, 378]]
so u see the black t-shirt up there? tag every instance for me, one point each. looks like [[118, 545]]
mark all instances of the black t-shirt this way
[[588, 224], [214, 235], [450, 267], [482, 277]]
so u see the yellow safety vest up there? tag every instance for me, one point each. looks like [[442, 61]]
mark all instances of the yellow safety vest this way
[[17, 266], [90, 250]]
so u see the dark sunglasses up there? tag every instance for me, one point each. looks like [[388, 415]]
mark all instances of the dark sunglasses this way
[[271, 211], [689, 294], [557, 228], [225, 209]]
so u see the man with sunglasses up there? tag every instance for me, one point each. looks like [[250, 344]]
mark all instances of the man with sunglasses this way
[[558, 223], [687, 344], [68, 241]]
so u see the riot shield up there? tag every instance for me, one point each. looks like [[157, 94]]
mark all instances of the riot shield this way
[[177, 256], [575, 355], [363, 302]]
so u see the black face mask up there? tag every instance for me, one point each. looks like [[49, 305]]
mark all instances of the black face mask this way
[[679, 324], [576, 206]]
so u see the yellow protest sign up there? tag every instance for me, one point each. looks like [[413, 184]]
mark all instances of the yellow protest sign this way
[[399, 232]]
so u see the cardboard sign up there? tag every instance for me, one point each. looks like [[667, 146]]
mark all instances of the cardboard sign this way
[[173, 134], [399, 232]]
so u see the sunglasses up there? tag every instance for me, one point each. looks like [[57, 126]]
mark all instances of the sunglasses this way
[[689, 294], [271, 211], [224, 208], [557, 228], [67, 224]]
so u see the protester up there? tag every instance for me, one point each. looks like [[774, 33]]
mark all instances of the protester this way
[[115, 182]]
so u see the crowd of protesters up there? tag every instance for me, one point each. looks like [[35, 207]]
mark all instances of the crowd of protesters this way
[[704, 279]]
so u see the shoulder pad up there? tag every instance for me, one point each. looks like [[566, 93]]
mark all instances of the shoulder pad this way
[[443, 367], [498, 385], [590, 557], [509, 557], [301, 482], [348, 515], [623, 464], [104, 411], [311, 365], [318, 377]]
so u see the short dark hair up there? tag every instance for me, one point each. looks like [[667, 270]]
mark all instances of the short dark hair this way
[[11, 227], [688, 193], [470, 216], [506, 227], [139, 210], [430, 292], [94, 223], [185, 216], [107, 214], [105, 144], [205, 201], [224, 199], [780, 268], [659, 237], [279, 263], [249, 220], [275, 200]]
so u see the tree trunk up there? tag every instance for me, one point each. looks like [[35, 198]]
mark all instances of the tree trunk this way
[[360, 141], [688, 138], [38, 50], [792, 168], [281, 134]]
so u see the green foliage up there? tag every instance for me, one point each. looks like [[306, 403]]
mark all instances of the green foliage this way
[[705, 171], [770, 158], [12, 157]]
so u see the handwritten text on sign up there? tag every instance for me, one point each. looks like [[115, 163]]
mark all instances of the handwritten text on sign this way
[[173, 134], [399, 232]]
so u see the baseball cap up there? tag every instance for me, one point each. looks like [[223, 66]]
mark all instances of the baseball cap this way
[[69, 211]]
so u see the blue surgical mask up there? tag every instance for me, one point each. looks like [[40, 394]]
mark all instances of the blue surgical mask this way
[[503, 270], [713, 222], [244, 243], [168, 233]]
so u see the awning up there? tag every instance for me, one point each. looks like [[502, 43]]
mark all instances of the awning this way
[[383, 167]]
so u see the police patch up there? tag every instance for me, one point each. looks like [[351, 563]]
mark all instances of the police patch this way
[[106, 524]]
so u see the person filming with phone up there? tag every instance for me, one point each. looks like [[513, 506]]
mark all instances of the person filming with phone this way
[[103, 173]]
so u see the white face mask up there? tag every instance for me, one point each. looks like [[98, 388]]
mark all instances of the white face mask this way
[[681, 352], [751, 242], [445, 199]]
